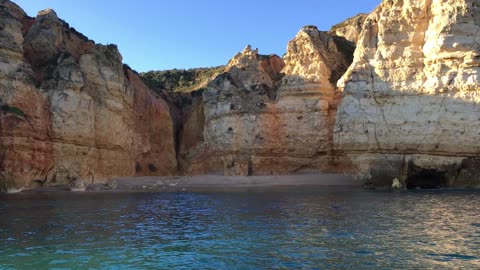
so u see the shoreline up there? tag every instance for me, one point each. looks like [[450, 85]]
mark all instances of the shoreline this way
[[210, 183], [233, 183]]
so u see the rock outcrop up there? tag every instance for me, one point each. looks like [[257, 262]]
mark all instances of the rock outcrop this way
[[405, 108], [267, 115], [181, 89], [70, 110], [410, 108], [351, 28]]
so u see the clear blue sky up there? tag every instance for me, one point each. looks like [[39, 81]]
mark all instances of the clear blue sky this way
[[157, 35]]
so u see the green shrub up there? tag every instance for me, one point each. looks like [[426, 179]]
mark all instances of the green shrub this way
[[180, 80], [13, 110]]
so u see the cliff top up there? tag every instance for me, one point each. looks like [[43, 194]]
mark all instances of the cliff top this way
[[180, 80], [359, 18]]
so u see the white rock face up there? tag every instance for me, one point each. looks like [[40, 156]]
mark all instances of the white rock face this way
[[412, 92]]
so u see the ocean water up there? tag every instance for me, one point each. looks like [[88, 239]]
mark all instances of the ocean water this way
[[326, 228]]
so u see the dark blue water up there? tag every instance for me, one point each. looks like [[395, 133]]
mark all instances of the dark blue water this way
[[331, 228]]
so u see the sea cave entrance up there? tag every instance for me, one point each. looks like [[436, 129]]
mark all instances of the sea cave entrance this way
[[426, 178]]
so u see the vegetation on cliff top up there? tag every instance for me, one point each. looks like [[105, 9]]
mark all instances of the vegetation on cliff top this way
[[180, 80]]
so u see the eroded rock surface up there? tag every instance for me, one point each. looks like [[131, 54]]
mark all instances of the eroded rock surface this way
[[406, 109], [351, 28], [267, 115], [70, 110], [410, 107]]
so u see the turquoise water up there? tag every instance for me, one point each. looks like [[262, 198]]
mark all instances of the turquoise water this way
[[330, 228]]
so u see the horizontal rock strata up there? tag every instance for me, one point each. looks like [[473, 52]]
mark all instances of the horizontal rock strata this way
[[410, 106], [71, 111], [267, 115]]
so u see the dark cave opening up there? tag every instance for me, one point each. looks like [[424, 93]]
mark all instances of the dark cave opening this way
[[426, 179]]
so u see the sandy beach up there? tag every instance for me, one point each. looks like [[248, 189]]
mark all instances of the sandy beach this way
[[207, 183], [228, 183]]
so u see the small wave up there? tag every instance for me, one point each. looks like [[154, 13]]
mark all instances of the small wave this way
[[450, 257]]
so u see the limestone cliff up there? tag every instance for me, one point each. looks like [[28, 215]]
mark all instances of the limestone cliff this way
[[267, 115], [180, 88], [351, 28], [70, 110], [405, 105], [410, 107]]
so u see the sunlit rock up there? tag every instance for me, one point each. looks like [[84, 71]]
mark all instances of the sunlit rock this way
[[267, 115], [410, 105], [351, 28], [70, 109]]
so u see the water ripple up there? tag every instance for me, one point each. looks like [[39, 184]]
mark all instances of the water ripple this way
[[322, 229]]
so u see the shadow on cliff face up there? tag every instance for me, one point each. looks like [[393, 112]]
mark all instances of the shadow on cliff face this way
[[422, 178], [261, 121], [70, 110], [427, 141], [462, 174], [424, 138], [268, 116], [410, 107]]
